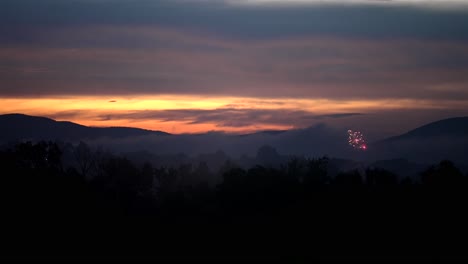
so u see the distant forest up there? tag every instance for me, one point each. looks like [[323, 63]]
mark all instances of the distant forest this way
[[36, 187]]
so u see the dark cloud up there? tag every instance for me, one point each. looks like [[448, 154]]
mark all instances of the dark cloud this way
[[68, 115], [229, 117], [311, 68], [24, 21], [338, 115]]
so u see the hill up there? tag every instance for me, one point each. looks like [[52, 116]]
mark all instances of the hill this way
[[443, 139], [452, 127], [24, 127]]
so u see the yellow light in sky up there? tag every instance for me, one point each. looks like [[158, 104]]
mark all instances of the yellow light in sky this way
[[89, 111]]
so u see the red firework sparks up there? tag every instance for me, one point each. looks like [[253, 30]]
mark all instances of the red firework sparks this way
[[356, 140]]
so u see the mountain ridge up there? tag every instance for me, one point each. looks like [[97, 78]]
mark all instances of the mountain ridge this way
[[432, 142], [455, 126], [442, 139], [20, 126]]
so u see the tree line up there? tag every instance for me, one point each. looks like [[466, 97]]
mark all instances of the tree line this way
[[268, 209], [34, 176]]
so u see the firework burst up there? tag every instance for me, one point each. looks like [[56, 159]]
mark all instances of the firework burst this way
[[356, 140]]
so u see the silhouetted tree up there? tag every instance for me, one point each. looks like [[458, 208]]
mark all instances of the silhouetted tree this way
[[317, 172], [184, 173], [39, 156], [122, 183], [296, 168], [407, 181], [233, 180], [165, 181], [34, 180], [202, 173], [84, 158], [227, 166], [443, 174], [348, 179], [297, 197], [268, 156], [146, 179], [380, 177]]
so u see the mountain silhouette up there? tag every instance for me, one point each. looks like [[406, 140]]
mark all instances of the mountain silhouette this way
[[451, 127], [443, 139], [24, 127]]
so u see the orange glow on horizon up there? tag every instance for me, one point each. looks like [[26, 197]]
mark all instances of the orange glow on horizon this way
[[91, 111]]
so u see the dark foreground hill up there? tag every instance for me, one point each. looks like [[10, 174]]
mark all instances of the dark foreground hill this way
[[24, 127]]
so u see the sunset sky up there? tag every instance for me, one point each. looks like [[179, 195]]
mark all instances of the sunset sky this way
[[191, 66]]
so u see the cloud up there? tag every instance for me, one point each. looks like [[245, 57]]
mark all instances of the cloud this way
[[444, 4], [69, 114], [338, 115], [312, 67], [213, 48], [229, 117], [21, 26]]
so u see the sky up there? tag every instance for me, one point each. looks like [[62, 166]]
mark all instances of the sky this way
[[192, 66]]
